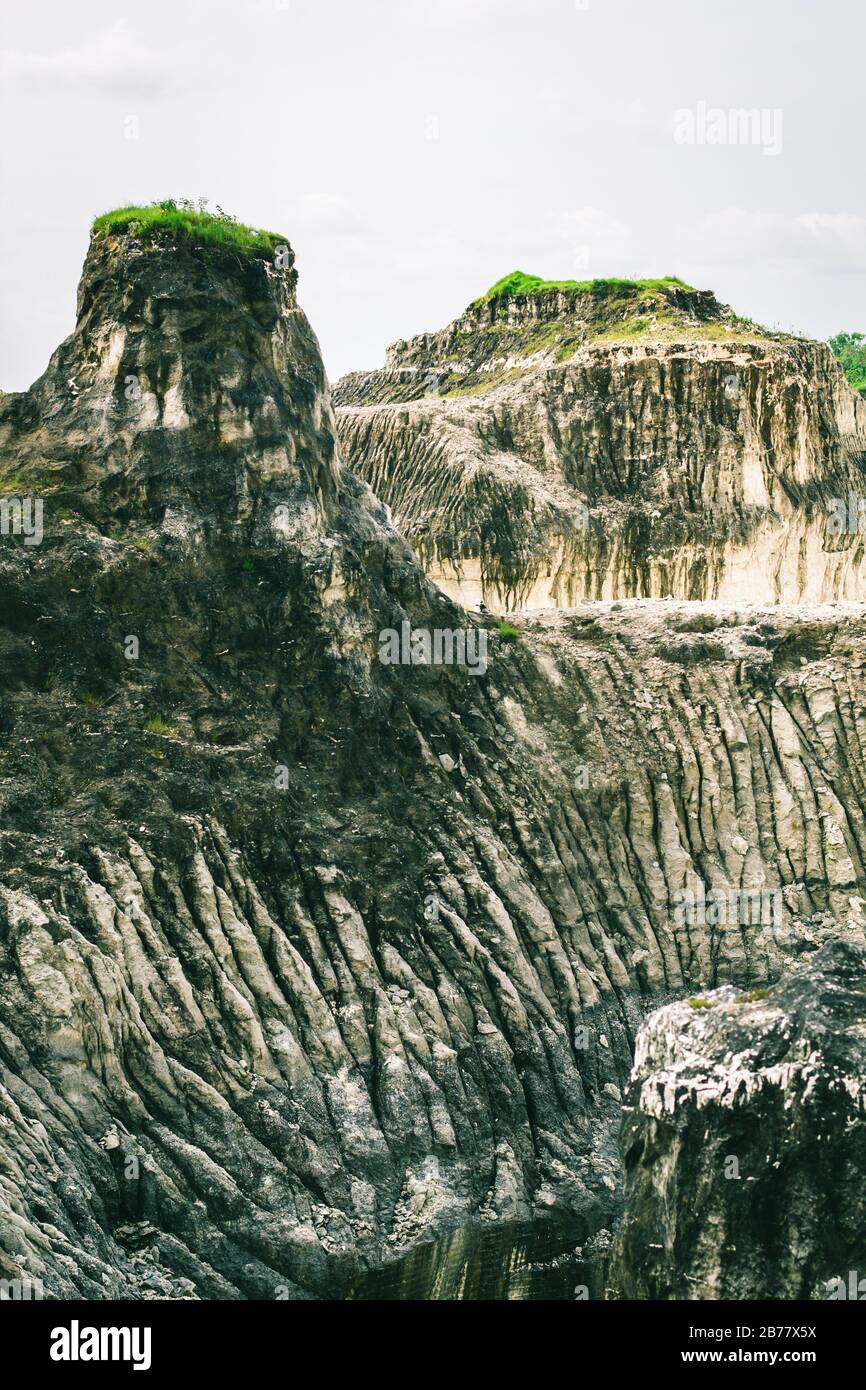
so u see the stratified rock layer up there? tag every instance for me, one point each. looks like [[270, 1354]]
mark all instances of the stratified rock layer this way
[[674, 452], [745, 1142]]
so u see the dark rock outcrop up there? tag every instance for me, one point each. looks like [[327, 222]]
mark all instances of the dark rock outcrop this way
[[745, 1142]]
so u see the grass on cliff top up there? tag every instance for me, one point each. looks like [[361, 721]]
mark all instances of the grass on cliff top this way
[[179, 219], [518, 285]]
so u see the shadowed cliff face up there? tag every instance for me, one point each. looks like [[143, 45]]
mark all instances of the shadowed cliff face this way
[[305, 958], [673, 453], [745, 1143], [190, 380]]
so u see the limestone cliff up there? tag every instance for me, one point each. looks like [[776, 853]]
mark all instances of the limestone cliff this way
[[610, 441], [305, 958]]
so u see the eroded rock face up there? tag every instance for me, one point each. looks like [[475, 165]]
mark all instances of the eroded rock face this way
[[745, 1142], [282, 987], [306, 959], [544, 451]]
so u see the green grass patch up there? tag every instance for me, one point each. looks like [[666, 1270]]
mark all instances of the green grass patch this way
[[566, 350], [698, 1003], [519, 285], [507, 631], [158, 725], [672, 330], [485, 382], [740, 321], [545, 339], [180, 218], [33, 484], [753, 995], [11, 487]]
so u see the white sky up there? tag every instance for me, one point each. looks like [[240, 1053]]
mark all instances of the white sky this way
[[554, 150]]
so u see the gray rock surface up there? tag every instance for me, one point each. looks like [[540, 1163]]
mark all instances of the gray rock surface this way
[[306, 959], [745, 1142]]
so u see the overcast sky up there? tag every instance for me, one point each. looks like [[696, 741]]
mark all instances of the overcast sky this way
[[414, 151]]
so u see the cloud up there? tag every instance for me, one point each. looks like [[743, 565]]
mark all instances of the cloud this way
[[590, 241], [328, 212], [595, 236], [832, 242], [328, 228], [463, 13], [437, 252], [574, 244], [115, 61], [361, 249], [578, 112]]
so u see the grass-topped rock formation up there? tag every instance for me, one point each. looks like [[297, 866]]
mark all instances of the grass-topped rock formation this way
[[612, 438], [525, 319], [306, 959]]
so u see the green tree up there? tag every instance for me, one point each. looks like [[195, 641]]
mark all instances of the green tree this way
[[850, 348]]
